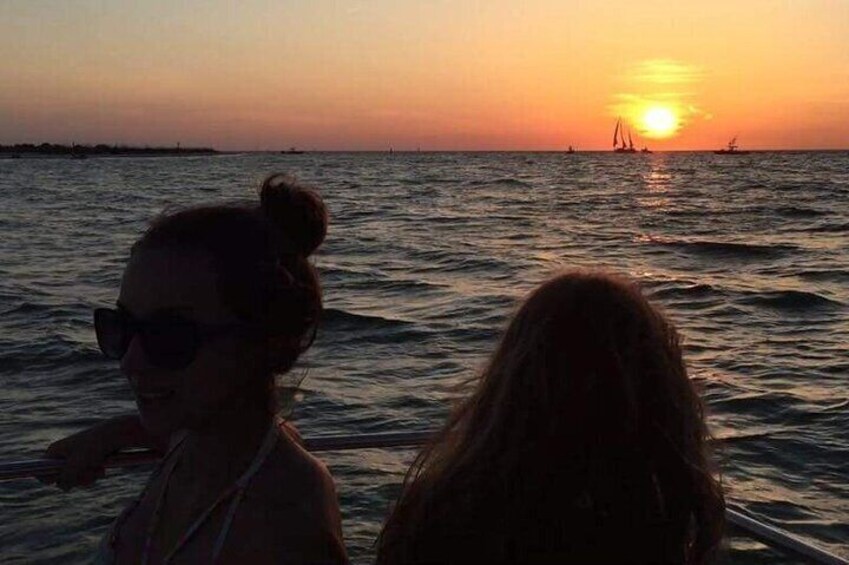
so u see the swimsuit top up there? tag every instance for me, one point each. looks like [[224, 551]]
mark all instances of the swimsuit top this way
[[235, 492]]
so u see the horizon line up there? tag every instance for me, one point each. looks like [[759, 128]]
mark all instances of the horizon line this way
[[565, 150], [390, 149]]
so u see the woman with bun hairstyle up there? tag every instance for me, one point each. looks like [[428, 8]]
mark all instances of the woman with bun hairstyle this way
[[215, 302], [583, 441]]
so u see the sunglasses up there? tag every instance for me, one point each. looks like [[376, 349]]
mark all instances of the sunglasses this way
[[169, 340]]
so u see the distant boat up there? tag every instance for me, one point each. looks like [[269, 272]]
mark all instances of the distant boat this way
[[292, 151], [731, 149], [619, 145], [570, 150], [645, 150]]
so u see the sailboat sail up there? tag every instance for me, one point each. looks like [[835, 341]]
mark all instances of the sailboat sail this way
[[623, 138]]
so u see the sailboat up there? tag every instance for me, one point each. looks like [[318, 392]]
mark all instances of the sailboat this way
[[731, 149], [619, 145]]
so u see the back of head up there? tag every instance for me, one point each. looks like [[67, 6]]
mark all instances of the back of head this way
[[260, 254], [583, 425], [600, 366]]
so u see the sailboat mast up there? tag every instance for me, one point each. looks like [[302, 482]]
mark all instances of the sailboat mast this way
[[616, 133], [630, 141]]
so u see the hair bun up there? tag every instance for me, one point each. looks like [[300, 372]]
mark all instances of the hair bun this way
[[297, 211]]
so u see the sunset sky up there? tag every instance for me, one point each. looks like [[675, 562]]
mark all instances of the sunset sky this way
[[369, 75]]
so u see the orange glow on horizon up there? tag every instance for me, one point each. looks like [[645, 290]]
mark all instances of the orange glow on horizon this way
[[369, 75]]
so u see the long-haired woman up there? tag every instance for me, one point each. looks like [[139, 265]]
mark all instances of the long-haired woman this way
[[583, 441]]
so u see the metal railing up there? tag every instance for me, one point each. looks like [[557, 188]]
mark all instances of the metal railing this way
[[767, 534]]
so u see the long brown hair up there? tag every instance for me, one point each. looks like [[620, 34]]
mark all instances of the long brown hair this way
[[583, 440]]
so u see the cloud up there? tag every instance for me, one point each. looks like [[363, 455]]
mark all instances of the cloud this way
[[665, 72]]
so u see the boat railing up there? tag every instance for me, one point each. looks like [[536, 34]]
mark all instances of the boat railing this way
[[767, 534]]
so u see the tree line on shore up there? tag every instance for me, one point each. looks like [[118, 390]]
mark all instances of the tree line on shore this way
[[99, 149]]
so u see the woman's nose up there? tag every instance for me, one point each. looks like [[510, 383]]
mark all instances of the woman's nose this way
[[134, 362]]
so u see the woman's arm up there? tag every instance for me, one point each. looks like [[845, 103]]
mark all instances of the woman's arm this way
[[85, 452]]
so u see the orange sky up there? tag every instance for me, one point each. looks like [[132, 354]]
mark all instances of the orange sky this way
[[266, 74]]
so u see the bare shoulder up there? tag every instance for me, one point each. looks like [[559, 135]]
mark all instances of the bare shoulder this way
[[293, 475], [291, 508]]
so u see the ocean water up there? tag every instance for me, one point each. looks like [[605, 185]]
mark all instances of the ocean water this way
[[426, 258]]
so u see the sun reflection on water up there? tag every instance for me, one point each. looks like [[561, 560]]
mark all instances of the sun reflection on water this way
[[657, 182]]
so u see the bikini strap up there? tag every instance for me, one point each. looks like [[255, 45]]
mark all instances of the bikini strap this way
[[242, 485], [236, 490], [175, 443], [154, 519]]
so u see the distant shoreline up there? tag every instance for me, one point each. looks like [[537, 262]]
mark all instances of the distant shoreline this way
[[51, 150]]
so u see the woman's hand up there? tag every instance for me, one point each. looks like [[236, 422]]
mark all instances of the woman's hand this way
[[84, 455], [85, 452]]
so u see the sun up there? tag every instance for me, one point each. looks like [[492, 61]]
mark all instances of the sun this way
[[659, 121]]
